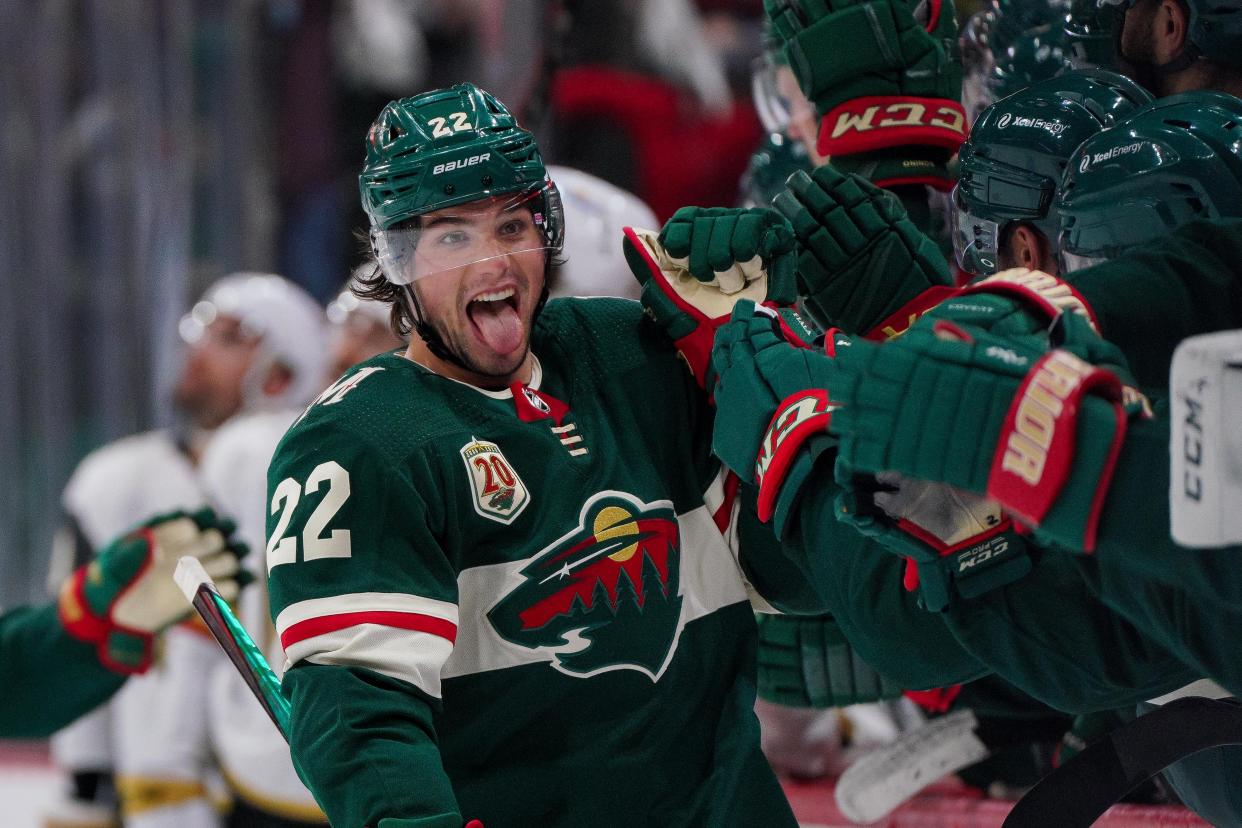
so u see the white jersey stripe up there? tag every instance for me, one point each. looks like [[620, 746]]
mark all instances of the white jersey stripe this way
[[412, 656], [358, 602]]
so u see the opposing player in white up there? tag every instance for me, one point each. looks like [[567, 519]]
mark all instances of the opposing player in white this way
[[154, 735]]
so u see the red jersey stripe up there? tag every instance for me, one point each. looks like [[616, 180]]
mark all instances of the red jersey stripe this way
[[418, 622]]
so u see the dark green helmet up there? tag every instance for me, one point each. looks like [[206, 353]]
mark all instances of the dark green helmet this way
[[1013, 161], [1089, 34], [1008, 46], [1174, 161], [777, 158], [449, 147]]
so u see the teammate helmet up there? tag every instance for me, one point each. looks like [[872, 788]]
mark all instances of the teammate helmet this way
[[776, 158], [444, 148], [288, 322], [1013, 161], [1089, 34], [1009, 45], [1176, 160]]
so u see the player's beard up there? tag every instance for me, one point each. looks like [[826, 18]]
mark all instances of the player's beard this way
[[460, 343], [1135, 50]]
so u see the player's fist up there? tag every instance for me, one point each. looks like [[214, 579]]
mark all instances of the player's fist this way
[[120, 600], [731, 247]]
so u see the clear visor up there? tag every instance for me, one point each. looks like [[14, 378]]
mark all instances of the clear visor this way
[[1071, 262], [975, 240], [775, 110], [466, 234]]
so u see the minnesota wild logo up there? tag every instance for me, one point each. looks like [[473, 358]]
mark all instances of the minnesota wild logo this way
[[605, 596]]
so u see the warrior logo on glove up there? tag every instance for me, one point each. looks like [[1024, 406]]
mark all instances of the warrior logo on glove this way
[[605, 596]]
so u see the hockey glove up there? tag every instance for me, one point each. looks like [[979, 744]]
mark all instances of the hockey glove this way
[[805, 661], [772, 404], [863, 266], [127, 595], [881, 74], [731, 247], [691, 304], [1002, 416]]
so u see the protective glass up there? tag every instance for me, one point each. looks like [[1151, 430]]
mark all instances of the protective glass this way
[[774, 108], [975, 240], [466, 234], [1072, 261]]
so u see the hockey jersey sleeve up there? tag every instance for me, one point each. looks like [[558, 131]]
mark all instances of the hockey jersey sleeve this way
[[1150, 300], [365, 603], [48, 678]]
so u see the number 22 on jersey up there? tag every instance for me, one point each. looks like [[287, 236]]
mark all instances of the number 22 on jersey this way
[[281, 549]]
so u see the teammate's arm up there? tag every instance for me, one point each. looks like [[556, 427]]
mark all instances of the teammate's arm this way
[[365, 604], [60, 660], [1150, 300], [49, 677]]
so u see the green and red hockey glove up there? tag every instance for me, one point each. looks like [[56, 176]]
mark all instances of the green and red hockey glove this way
[[882, 74], [127, 595], [731, 247], [714, 258], [806, 661], [862, 266], [772, 407], [1004, 416]]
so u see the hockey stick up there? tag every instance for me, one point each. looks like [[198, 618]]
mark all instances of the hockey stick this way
[[883, 779], [1080, 791], [232, 637]]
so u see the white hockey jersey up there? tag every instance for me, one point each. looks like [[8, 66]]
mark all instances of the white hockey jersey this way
[[153, 732], [595, 212], [252, 754]]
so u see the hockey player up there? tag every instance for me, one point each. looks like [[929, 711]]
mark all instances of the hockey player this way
[[62, 659], [493, 561], [359, 328], [1172, 46], [288, 330], [244, 352], [1108, 203]]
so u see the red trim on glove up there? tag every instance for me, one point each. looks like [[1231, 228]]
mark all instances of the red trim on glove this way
[[1043, 290], [798, 417], [696, 346], [935, 700], [936, 182], [75, 613], [901, 319], [881, 121], [1036, 447]]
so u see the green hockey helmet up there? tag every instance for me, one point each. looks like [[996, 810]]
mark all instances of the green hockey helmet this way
[[776, 158], [1214, 30], [1008, 46], [1011, 165], [1089, 34], [1171, 162], [448, 148]]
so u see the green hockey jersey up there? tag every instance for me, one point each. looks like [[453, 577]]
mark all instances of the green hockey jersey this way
[[519, 606]]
